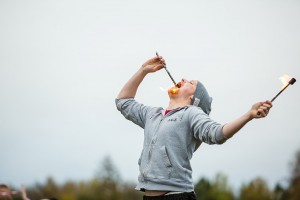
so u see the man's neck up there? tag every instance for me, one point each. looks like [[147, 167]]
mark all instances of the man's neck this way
[[173, 104]]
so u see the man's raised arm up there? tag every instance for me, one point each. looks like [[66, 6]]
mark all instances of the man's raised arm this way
[[130, 88]]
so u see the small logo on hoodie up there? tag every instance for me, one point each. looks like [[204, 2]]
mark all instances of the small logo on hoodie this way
[[172, 120]]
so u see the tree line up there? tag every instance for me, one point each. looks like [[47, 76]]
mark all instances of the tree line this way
[[107, 185]]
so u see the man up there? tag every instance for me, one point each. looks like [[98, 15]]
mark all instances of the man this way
[[5, 193], [171, 136]]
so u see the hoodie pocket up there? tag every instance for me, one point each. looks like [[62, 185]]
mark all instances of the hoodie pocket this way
[[165, 157], [141, 157], [159, 165]]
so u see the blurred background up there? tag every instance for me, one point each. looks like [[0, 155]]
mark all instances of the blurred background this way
[[62, 63]]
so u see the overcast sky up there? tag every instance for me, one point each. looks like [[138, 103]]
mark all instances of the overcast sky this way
[[62, 63]]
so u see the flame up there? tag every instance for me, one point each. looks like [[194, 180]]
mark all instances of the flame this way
[[162, 89], [174, 90], [285, 80]]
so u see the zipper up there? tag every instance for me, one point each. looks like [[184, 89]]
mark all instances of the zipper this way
[[155, 138]]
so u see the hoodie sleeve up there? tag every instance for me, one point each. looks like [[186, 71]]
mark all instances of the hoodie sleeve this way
[[204, 128], [133, 111]]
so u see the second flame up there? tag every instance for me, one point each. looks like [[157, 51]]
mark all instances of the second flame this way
[[285, 80], [172, 90]]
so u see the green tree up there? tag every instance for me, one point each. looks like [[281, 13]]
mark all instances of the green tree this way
[[202, 189], [51, 189], [107, 183], [107, 171], [279, 193], [218, 189], [69, 191], [294, 186], [256, 190], [46, 190]]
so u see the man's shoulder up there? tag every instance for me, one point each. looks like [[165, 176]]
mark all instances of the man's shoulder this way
[[194, 110], [156, 109]]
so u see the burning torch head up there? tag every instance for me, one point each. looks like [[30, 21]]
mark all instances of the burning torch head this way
[[292, 81], [173, 90], [201, 98]]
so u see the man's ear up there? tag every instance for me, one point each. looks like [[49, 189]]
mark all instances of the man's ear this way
[[191, 97]]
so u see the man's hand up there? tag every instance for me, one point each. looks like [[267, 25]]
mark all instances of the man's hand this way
[[260, 109], [153, 64], [23, 191], [130, 88]]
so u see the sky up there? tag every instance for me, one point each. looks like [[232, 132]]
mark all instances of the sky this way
[[62, 64]]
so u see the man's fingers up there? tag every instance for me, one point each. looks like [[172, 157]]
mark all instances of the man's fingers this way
[[264, 110], [158, 67], [261, 113]]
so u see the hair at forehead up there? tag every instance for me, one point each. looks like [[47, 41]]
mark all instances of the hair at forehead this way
[[3, 185]]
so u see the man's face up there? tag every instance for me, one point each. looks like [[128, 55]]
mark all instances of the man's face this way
[[186, 88], [5, 193]]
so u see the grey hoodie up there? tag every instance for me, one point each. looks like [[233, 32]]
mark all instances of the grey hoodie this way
[[169, 143]]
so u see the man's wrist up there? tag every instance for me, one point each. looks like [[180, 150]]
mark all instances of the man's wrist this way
[[248, 116], [143, 71]]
